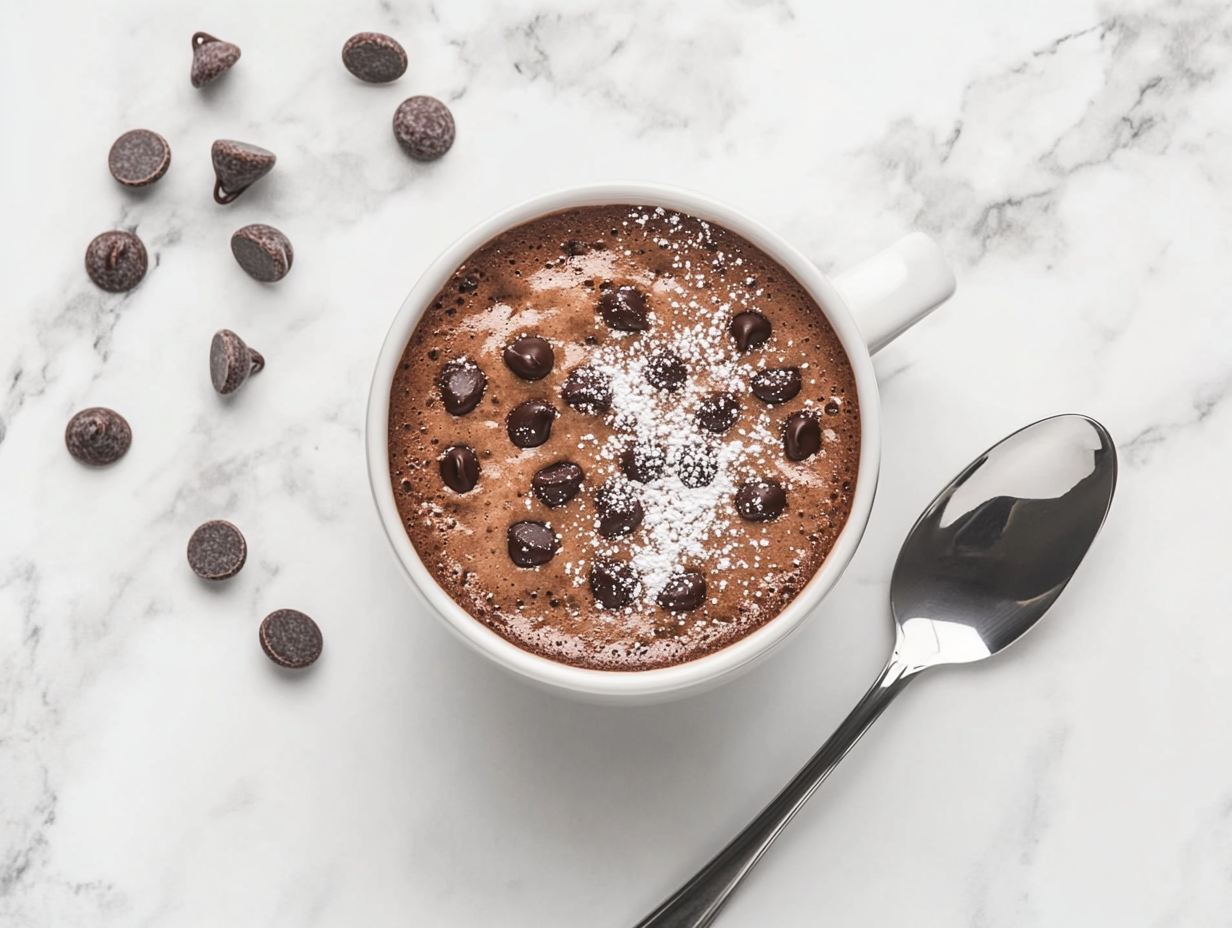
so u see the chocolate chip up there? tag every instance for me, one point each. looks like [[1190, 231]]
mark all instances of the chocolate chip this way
[[614, 583], [776, 385], [211, 58], [718, 412], [98, 436], [530, 423], [139, 157], [531, 357], [801, 436], [588, 390], [760, 500], [263, 252], [237, 166], [462, 383], [424, 128], [232, 362], [665, 370], [643, 462], [832, 408], [697, 466], [624, 309], [116, 261], [750, 329], [217, 550], [291, 639], [374, 58], [468, 284], [531, 544], [683, 592], [620, 511], [557, 483], [460, 468]]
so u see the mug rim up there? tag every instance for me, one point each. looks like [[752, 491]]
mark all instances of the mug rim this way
[[624, 685]]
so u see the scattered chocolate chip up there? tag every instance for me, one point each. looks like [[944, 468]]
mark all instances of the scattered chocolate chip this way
[[750, 329], [643, 462], [211, 58], [697, 466], [460, 468], [801, 436], [232, 362], [760, 500], [620, 511], [557, 483], [531, 544], [530, 423], [624, 309], [424, 128], [139, 157], [531, 357], [614, 583], [374, 58], [98, 436], [263, 252], [588, 390], [116, 261], [665, 370], [718, 412], [291, 639], [217, 550], [462, 383], [776, 385], [237, 166], [683, 592]]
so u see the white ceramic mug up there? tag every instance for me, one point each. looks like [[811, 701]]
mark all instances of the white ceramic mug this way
[[867, 306]]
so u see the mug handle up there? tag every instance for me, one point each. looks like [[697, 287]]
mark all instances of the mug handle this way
[[896, 288]]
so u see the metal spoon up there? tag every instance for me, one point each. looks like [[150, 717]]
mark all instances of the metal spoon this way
[[978, 569]]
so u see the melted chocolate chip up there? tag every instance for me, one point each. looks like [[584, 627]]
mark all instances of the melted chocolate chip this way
[[696, 465], [614, 583], [666, 371], [531, 544], [832, 408], [683, 592], [718, 412], [624, 309], [760, 500], [776, 385], [588, 390], [558, 483], [750, 329], [801, 436], [530, 423], [468, 284], [462, 384], [620, 511], [643, 462], [460, 468], [531, 358]]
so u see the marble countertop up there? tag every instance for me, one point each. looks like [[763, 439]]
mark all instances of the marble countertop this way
[[1075, 162]]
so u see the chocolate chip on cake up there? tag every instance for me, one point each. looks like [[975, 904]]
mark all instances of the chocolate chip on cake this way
[[614, 583], [291, 639], [374, 58], [750, 329], [263, 252], [683, 592], [232, 362], [588, 390], [530, 424], [557, 483], [531, 544], [211, 58], [718, 412], [776, 385], [801, 436], [643, 462], [237, 166], [116, 261], [696, 466], [217, 550], [462, 383], [460, 468], [530, 357], [665, 370], [98, 436], [624, 309], [760, 500], [139, 157], [424, 128], [620, 511]]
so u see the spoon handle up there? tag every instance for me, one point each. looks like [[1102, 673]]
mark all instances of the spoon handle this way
[[697, 903]]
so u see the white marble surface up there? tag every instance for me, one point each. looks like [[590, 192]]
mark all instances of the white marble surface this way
[[1074, 159]]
